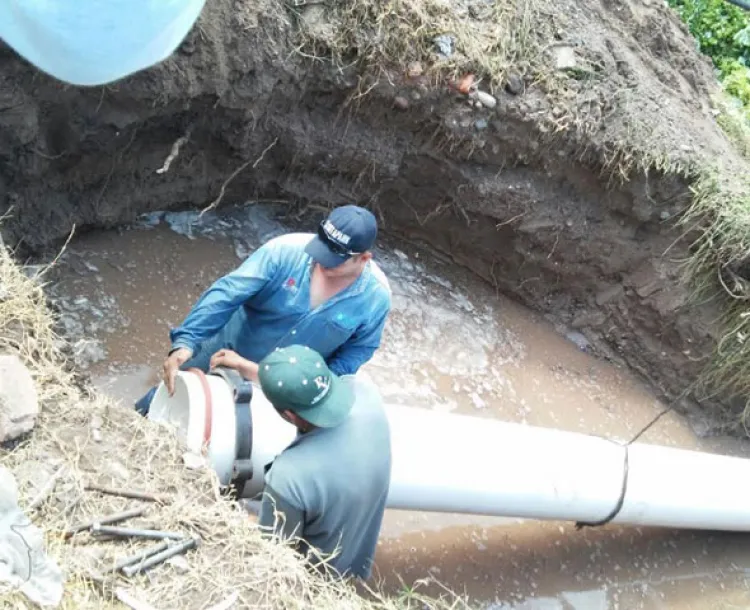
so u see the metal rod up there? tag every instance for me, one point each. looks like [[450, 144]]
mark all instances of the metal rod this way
[[127, 493], [140, 556], [116, 518], [154, 560], [126, 532], [47, 489]]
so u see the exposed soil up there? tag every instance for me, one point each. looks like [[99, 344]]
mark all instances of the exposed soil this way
[[538, 213]]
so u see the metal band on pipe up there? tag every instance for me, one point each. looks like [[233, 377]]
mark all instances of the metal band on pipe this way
[[242, 391], [620, 501]]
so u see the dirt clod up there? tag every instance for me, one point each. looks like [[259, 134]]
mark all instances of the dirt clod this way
[[401, 103]]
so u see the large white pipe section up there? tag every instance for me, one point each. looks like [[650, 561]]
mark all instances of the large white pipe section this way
[[462, 464]]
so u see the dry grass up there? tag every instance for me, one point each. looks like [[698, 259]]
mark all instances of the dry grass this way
[[132, 453], [719, 266], [393, 33], [621, 125], [718, 269]]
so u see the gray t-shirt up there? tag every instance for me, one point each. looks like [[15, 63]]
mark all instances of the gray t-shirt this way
[[331, 485]]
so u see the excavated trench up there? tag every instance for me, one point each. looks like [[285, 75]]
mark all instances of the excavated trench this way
[[532, 220], [237, 113]]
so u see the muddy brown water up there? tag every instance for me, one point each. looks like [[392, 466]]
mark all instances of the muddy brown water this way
[[451, 344]]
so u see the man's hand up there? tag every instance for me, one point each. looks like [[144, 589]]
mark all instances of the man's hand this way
[[232, 360], [172, 364]]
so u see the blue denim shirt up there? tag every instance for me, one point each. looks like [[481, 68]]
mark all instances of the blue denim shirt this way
[[265, 303]]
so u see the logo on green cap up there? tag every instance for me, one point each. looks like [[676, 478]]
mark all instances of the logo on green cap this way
[[323, 385], [297, 379]]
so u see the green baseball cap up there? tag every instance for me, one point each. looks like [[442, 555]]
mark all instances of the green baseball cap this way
[[296, 378]]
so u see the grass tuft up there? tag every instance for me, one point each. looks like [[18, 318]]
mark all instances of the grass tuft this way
[[393, 33], [718, 270]]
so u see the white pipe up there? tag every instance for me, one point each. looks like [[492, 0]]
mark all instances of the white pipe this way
[[462, 464]]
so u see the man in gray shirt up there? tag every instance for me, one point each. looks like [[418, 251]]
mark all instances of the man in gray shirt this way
[[329, 487]]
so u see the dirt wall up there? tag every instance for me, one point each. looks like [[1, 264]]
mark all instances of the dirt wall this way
[[534, 212]]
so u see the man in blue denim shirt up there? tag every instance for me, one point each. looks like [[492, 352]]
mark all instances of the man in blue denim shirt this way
[[323, 291]]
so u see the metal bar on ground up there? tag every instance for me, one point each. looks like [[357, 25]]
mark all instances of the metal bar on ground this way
[[126, 532], [128, 493], [155, 560], [115, 518], [141, 555]]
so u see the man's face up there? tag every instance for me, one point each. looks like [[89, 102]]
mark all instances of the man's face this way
[[350, 267]]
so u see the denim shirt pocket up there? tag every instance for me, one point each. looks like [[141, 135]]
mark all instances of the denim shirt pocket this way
[[333, 332]]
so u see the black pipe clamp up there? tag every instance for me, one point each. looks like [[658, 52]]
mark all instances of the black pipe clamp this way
[[242, 391]]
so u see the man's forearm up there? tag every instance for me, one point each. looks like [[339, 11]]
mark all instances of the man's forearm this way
[[217, 304], [249, 371]]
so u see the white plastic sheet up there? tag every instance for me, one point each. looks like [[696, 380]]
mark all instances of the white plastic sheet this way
[[24, 565], [95, 42]]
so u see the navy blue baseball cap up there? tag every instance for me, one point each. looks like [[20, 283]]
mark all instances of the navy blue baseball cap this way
[[347, 231]]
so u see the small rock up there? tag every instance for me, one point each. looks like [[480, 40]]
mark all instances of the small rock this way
[[414, 70], [401, 103], [19, 404], [568, 223], [402, 255], [609, 294], [478, 105], [585, 319], [646, 290], [116, 470], [179, 563], [481, 11], [485, 98], [316, 21], [193, 461], [579, 339], [480, 124], [664, 215], [478, 402], [416, 96], [444, 44], [565, 57], [514, 84], [187, 47], [95, 425]]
